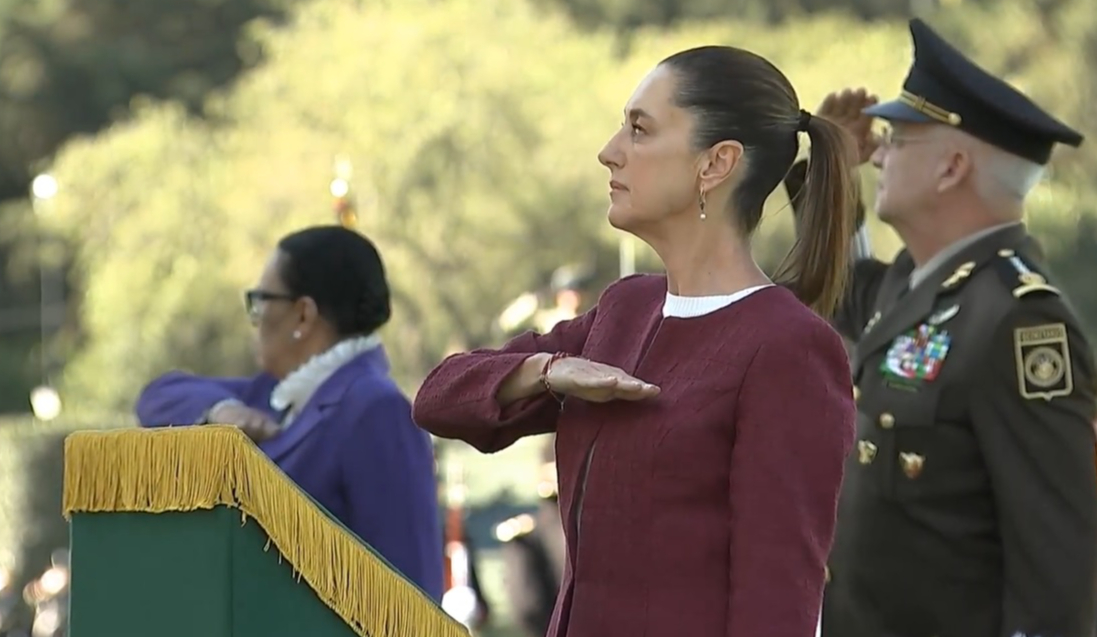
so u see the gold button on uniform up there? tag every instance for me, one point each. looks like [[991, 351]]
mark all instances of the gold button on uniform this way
[[887, 421]]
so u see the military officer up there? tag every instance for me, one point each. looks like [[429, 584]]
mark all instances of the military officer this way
[[969, 507], [534, 554]]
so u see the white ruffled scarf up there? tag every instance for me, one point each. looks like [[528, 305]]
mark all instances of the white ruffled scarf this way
[[297, 388]]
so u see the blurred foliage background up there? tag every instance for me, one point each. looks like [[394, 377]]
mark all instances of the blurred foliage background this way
[[186, 136]]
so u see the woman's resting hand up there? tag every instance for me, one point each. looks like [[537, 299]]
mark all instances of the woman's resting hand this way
[[596, 382], [257, 425]]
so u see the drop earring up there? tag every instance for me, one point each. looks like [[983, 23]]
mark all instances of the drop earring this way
[[701, 202]]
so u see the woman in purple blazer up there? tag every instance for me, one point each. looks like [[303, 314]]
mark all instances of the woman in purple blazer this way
[[324, 407]]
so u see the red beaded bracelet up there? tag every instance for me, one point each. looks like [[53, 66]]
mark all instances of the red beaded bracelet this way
[[545, 372]]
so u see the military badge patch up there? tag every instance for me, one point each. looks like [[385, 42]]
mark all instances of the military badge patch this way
[[1042, 356], [917, 355]]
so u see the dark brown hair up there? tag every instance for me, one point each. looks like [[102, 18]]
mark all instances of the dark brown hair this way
[[737, 95], [342, 272]]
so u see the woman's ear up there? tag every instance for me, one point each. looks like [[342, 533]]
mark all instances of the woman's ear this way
[[308, 314], [719, 163]]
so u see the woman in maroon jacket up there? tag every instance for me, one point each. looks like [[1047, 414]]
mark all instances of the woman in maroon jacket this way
[[703, 417]]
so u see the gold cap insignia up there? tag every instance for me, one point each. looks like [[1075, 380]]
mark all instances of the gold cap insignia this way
[[929, 109]]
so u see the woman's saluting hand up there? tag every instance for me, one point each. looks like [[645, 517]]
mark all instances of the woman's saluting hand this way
[[596, 382]]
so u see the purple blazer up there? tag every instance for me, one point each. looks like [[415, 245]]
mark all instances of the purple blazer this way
[[353, 448]]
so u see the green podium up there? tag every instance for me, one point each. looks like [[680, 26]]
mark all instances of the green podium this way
[[193, 532]]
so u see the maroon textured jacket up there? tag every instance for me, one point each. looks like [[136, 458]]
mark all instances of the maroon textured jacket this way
[[707, 511]]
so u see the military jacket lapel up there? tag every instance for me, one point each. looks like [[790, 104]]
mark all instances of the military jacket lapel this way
[[897, 314]]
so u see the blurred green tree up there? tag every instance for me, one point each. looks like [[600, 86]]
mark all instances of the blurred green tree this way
[[70, 68], [472, 128], [464, 170]]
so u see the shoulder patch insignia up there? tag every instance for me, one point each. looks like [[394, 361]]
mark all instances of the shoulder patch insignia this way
[[1018, 274], [1042, 356]]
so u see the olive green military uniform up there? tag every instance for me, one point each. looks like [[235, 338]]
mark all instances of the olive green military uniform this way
[[969, 507]]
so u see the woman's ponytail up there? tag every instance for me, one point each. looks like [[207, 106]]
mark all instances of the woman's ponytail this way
[[817, 268]]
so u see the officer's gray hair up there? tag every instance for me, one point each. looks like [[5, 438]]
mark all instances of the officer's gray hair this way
[[1005, 175]]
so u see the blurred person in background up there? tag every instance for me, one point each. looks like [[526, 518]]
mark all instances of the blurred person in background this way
[[568, 287], [462, 596], [970, 505], [534, 553], [703, 417], [324, 407]]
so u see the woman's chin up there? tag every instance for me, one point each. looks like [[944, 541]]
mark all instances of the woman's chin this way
[[619, 216]]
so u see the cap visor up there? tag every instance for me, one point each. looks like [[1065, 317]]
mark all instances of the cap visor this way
[[897, 111]]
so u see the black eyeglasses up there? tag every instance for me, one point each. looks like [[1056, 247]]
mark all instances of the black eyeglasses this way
[[254, 300]]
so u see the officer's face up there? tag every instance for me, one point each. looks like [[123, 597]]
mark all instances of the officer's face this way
[[907, 158]]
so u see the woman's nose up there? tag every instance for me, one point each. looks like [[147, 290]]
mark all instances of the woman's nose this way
[[603, 157], [610, 156]]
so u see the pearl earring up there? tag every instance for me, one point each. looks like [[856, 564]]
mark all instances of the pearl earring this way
[[701, 201], [297, 334]]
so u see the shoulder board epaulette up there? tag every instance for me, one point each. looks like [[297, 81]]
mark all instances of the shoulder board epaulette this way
[[1020, 275], [515, 527]]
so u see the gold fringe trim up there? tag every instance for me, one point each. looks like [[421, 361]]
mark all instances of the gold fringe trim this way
[[192, 468]]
